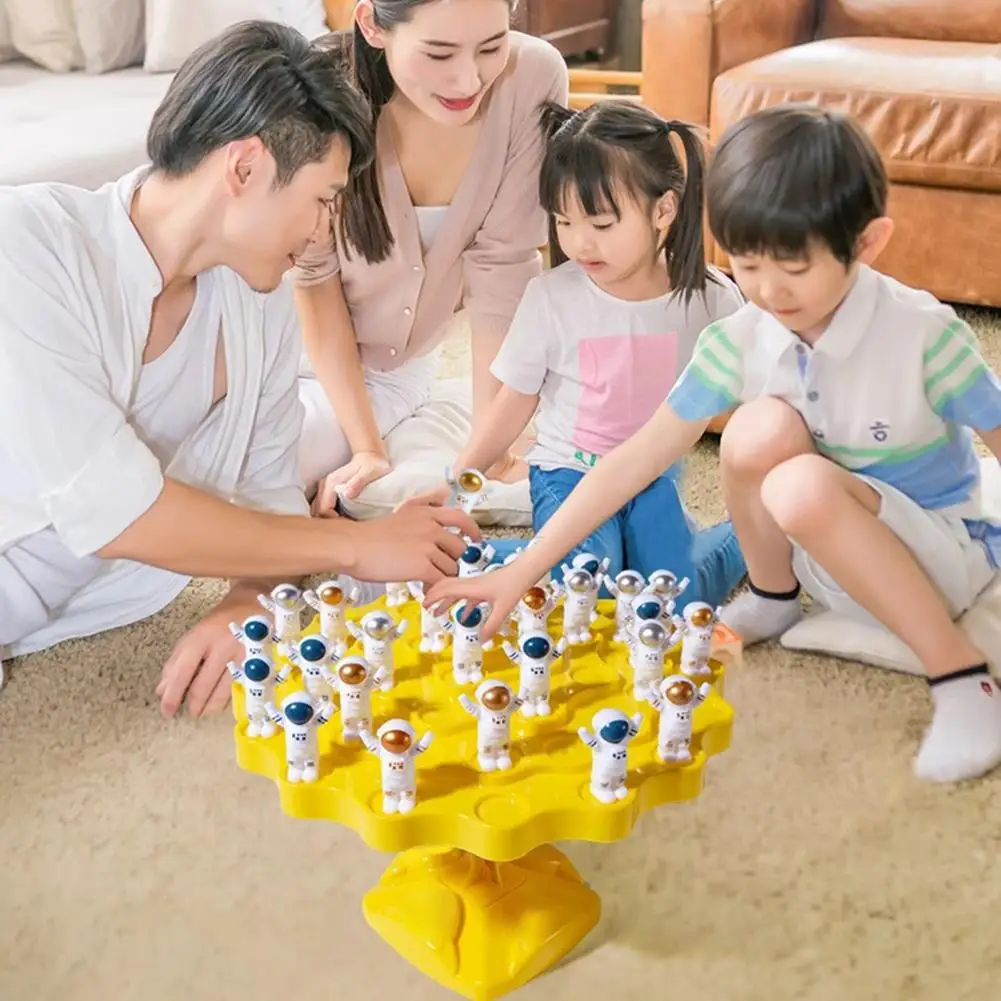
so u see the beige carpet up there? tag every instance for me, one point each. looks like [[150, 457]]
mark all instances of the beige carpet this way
[[139, 863]]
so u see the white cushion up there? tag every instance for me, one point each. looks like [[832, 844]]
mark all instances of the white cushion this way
[[423, 447], [828, 632], [111, 33], [175, 28], [78, 128], [44, 31]]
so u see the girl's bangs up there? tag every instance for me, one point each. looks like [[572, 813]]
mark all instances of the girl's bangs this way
[[581, 169]]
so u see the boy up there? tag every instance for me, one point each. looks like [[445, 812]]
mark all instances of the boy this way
[[850, 469]]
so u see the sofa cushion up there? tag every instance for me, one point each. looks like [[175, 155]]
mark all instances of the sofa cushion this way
[[932, 108], [939, 20], [76, 128]]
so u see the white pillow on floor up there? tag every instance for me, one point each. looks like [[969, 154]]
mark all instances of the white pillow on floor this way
[[828, 632], [422, 447]]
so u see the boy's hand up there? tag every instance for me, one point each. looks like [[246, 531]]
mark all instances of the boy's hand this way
[[501, 589]]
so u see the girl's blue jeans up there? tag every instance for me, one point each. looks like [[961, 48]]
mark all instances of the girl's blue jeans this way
[[651, 532]]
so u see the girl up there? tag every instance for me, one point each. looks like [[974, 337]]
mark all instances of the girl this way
[[598, 341], [448, 211]]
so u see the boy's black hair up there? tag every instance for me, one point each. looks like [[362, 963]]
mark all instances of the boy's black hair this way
[[611, 141], [790, 175]]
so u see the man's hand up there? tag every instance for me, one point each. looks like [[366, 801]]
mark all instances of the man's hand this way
[[196, 673], [349, 481], [436, 497]]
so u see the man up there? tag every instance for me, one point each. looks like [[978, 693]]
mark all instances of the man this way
[[149, 413]]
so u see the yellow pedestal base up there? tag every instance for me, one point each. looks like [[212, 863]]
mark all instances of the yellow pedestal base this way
[[482, 929]]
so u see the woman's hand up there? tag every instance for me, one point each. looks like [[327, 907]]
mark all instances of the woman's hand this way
[[349, 481]]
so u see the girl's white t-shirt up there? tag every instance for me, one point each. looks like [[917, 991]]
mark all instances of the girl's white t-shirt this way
[[600, 365]]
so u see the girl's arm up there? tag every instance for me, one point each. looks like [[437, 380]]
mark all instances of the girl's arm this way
[[505, 418]]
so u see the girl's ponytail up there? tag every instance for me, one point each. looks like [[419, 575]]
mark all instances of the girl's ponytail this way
[[553, 116], [685, 245]]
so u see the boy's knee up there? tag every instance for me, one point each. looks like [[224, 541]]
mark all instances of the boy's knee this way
[[797, 493], [761, 435]]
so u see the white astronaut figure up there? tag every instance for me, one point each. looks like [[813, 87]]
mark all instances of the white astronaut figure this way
[[258, 677], [467, 489], [378, 631], [531, 614], [624, 589], [300, 719], [286, 604], [493, 708], [476, 558], [354, 679], [697, 640], [313, 655], [667, 585], [464, 624], [434, 633], [397, 752], [534, 658], [331, 599], [674, 699], [613, 730], [581, 585], [397, 593], [257, 637], [647, 650]]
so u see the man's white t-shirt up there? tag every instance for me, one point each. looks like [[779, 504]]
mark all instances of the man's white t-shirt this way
[[601, 365], [88, 433]]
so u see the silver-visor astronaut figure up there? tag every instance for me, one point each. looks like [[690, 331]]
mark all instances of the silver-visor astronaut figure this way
[[493, 708], [613, 730], [434, 632], [624, 589], [285, 603], [697, 639], [256, 636], [667, 585], [331, 599], [258, 677], [532, 612], [354, 678], [466, 490], [476, 558], [674, 699], [581, 583], [534, 657], [397, 750], [313, 655], [378, 631], [397, 593], [647, 651], [464, 623], [300, 719]]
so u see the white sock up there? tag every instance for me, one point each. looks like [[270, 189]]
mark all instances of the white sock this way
[[754, 616], [963, 740]]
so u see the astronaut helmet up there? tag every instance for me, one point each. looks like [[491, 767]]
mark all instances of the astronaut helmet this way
[[378, 624], [648, 606], [664, 583], [470, 481], [699, 615], [330, 592], [579, 580], [535, 598], [472, 555], [652, 634], [588, 562], [630, 582], [494, 695], [611, 725], [314, 649], [256, 628], [286, 596], [396, 736], [467, 615], [298, 708], [257, 668], [679, 690], [536, 643], [353, 670]]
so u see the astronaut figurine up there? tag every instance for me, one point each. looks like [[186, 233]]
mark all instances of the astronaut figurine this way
[[397, 752], [534, 658], [434, 634], [494, 706], [397, 594], [354, 679], [697, 640], [531, 614], [331, 599], [378, 632], [256, 636], [674, 699], [624, 589], [667, 585], [613, 730], [464, 623], [313, 655], [476, 558], [581, 582], [647, 649], [300, 719], [467, 489], [258, 677], [286, 604]]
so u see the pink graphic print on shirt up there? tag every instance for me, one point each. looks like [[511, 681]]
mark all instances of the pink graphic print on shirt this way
[[623, 379]]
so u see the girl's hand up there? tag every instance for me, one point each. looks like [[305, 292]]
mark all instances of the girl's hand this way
[[349, 481], [500, 589]]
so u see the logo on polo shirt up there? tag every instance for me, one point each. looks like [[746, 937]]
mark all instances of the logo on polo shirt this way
[[880, 431]]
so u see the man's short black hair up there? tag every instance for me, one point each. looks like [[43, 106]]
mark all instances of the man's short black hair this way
[[785, 177], [259, 78]]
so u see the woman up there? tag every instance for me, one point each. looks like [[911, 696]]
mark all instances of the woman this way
[[447, 215]]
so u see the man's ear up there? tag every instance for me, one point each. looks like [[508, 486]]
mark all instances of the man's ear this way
[[244, 161], [365, 19], [874, 238]]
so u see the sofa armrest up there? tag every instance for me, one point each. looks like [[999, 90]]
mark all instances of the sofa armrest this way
[[688, 43]]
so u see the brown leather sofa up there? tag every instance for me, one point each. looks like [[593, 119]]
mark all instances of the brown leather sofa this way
[[922, 76]]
